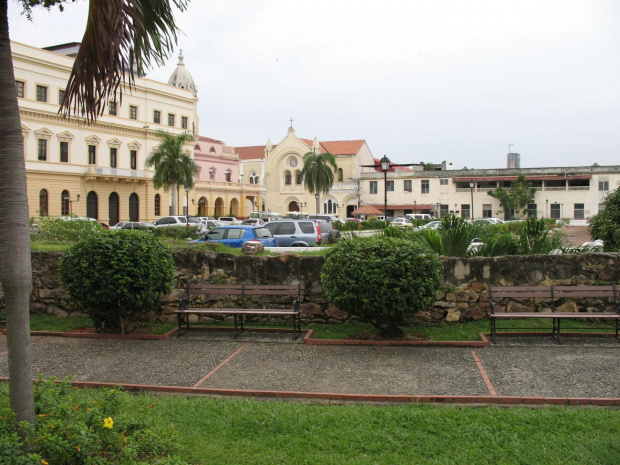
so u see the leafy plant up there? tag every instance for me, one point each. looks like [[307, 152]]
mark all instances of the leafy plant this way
[[118, 277], [605, 225], [381, 280], [70, 229], [71, 429], [516, 197], [535, 239]]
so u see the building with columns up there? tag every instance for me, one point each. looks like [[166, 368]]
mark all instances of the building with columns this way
[[95, 170], [277, 169]]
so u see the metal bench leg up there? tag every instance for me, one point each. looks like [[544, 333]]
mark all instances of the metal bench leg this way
[[617, 321], [493, 330], [558, 325], [180, 321], [235, 336], [296, 327]]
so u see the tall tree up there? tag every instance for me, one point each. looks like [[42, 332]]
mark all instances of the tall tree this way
[[173, 164], [120, 35], [318, 173], [516, 197]]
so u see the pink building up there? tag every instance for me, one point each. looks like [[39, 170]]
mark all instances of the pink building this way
[[216, 161]]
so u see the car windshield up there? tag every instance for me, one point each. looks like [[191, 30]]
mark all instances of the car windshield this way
[[262, 232], [193, 219]]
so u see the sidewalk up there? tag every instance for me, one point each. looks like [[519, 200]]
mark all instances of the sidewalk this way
[[530, 370]]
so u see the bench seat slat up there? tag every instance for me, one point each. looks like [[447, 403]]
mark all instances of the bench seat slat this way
[[235, 311], [584, 315]]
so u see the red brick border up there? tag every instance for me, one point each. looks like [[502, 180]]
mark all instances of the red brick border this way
[[365, 398], [308, 339]]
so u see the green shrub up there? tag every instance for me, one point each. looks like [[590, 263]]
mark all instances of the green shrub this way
[[73, 429], [51, 229], [176, 232], [381, 280], [605, 225], [118, 277]]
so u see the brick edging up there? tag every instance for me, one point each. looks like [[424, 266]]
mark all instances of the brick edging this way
[[365, 398], [308, 339]]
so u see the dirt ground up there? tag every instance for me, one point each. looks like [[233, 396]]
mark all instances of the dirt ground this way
[[577, 235]]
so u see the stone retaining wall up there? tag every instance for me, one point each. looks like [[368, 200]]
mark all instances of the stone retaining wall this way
[[463, 297]]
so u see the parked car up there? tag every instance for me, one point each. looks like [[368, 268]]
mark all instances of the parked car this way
[[349, 220], [254, 221], [229, 220], [118, 225], [236, 235], [431, 225], [329, 234], [489, 221], [295, 233], [136, 225], [168, 221], [401, 223], [418, 216], [329, 218]]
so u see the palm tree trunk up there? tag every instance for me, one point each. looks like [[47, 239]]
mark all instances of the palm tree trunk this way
[[317, 203], [15, 261], [173, 193]]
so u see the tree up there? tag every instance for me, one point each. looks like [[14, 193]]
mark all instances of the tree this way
[[605, 225], [120, 34], [173, 164], [318, 174], [516, 197]]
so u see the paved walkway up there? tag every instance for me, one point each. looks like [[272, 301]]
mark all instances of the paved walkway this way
[[516, 370]]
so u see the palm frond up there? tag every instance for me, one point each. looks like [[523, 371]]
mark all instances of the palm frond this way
[[120, 36]]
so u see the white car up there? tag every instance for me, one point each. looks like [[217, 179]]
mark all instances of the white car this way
[[489, 221], [401, 223], [168, 221], [431, 225], [231, 220]]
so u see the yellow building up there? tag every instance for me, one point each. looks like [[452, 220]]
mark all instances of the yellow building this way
[[95, 170], [277, 169]]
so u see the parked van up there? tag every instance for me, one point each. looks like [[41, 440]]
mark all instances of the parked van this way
[[418, 216]]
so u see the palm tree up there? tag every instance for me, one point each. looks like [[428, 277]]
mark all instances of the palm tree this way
[[318, 174], [120, 35], [173, 164]]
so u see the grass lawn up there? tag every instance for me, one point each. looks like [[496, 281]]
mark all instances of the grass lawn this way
[[238, 431]]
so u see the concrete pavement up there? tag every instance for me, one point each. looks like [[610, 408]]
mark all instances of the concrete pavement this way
[[529, 370]]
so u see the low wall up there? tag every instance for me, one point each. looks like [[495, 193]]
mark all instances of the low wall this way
[[462, 298]]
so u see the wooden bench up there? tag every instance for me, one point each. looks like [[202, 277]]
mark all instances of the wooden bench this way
[[550, 296], [243, 291]]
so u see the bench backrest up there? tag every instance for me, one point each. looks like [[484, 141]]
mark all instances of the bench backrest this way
[[244, 289], [553, 293]]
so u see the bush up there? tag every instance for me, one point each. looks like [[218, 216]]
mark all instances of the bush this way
[[73, 429], [381, 280], [63, 229], [176, 232], [605, 225], [118, 277]]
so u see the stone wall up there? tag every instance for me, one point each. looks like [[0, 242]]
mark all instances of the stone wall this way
[[463, 297]]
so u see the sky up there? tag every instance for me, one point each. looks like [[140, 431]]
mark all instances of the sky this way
[[419, 80]]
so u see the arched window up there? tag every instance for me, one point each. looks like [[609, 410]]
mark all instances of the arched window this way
[[43, 203], [113, 208], [92, 205], [134, 207], [340, 175], [329, 207], [157, 205], [64, 203], [227, 175], [287, 178], [298, 178], [253, 178]]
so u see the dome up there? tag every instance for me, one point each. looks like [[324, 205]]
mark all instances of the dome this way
[[181, 77]]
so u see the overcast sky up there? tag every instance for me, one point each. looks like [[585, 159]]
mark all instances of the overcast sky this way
[[419, 80]]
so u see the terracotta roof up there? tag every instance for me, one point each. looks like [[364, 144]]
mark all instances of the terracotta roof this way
[[251, 153], [367, 210], [342, 147], [337, 147]]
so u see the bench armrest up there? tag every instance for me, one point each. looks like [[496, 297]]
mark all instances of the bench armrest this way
[[296, 305]]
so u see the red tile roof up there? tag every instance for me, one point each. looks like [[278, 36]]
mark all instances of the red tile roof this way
[[337, 147]]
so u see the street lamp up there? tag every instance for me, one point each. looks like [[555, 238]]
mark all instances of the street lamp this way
[[385, 166], [66, 198], [301, 207], [471, 188], [187, 189]]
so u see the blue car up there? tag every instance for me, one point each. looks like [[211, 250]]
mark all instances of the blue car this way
[[236, 235]]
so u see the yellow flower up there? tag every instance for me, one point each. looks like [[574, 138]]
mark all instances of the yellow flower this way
[[44, 462], [108, 422]]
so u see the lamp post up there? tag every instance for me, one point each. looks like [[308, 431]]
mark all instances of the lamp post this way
[[187, 189], [385, 166], [471, 188], [66, 197]]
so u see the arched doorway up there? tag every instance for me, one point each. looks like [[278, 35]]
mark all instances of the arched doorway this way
[[219, 207], [202, 206], [234, 207], [113, 208], [293, 206], [350, 210], [134, 205], [43, 203], [64, 203], [92, 205]]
